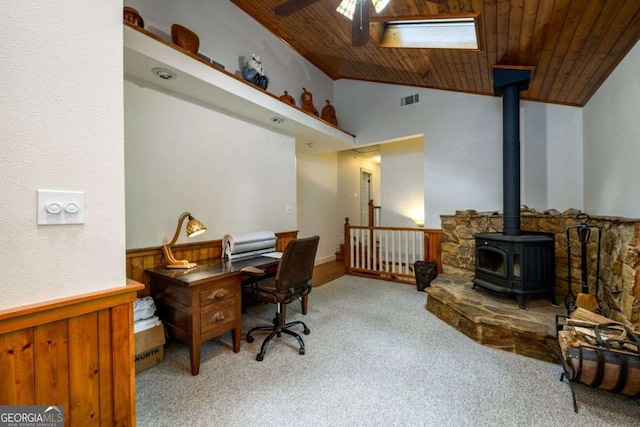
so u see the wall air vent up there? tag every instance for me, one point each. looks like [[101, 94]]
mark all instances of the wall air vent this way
[[408, 100]]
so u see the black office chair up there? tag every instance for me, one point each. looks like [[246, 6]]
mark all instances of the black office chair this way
[[291, 282]]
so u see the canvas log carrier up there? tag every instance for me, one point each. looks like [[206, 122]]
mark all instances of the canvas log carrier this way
[[599, 352]]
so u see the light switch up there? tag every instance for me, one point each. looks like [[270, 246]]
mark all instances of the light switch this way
[[60, 207], [289, 209]]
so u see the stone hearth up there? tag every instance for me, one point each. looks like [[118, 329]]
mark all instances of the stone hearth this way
[[495, 320], [619, 287]]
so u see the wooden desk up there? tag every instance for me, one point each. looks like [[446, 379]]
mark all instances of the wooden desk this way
[[204, 302]]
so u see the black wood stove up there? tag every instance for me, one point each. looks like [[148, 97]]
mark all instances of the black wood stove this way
[[514, 262]]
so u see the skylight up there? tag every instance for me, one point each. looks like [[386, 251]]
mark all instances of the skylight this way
[[452, 33], [348, 7]]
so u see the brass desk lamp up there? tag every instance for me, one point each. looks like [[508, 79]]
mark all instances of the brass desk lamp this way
[[194, 228]]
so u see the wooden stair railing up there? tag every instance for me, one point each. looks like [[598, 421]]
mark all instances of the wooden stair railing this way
[[374, 213], [389, 252]]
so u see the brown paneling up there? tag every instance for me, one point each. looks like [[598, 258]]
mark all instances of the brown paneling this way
[[51, 362], [626, 33], [74, 352], [105, 361], [16, 358], [84, 386], [573, 44], [283, 239], [433, 246], [122, 350]]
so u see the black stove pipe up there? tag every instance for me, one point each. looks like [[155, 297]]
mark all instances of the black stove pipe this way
[[511, 160], [508, 82]]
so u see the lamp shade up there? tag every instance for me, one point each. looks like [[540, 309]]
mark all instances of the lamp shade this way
[[195, 227]]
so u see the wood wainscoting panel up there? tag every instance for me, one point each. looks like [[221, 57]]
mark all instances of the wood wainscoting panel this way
[[51, 351], [84, 375], [107, 359], [283, 239], [123, 372], [140, 260], [77, 353], [16, 358], [433, 246]]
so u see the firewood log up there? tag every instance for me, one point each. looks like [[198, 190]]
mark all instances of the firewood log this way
[[582, 314], [567, 341], [587, 301]]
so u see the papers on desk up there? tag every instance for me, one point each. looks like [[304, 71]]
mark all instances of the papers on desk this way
[[276, 255]]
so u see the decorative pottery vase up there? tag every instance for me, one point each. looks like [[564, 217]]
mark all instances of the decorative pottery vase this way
[[288, 98], [132, 15], [329, 114], [307, 103], [185, 38]]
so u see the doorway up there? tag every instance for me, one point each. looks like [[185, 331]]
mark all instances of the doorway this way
[[366, 194]]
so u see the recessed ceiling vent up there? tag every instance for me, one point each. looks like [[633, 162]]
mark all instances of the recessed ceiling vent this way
[[408, 100]]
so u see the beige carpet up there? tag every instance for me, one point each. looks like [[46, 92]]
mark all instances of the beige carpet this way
[[375, 357]]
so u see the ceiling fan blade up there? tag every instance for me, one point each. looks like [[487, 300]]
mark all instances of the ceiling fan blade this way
[[360, 24], [289, 7]]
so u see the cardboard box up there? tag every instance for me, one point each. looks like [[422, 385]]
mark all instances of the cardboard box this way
[[149, 348]]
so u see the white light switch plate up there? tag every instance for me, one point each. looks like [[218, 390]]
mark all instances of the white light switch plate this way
[[60, 207]]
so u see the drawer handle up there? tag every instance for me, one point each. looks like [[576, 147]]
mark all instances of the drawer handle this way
[[218, 294], [218, 316]]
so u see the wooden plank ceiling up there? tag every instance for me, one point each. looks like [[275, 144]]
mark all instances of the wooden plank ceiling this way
[[573, 44]]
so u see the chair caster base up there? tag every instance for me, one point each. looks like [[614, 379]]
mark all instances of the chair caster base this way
[[301, 351], [249, 339], [260, 357], [306, 331]]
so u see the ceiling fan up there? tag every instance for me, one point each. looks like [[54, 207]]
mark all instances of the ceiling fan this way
[[356, 10]]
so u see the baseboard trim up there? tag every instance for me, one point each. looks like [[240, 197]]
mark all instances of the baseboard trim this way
[[326, 259]]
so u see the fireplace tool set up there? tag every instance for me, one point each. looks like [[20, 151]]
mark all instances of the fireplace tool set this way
[[595, 350], [584, 299]]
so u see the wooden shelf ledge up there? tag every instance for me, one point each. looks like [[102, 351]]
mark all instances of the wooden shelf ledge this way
[[209, 84]]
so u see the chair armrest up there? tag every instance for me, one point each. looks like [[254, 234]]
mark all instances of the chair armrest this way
[[253, 271]]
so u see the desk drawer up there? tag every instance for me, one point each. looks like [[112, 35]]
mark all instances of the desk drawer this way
[[218, 291], [214, 316]]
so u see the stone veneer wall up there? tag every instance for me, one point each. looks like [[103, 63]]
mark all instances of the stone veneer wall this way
[[619, 286]]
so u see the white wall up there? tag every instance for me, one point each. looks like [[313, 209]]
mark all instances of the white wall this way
[[318, 212], [233, 176], [612, 143], [372, 111], [462, 140], [62, 124], [463, 144], [463, 155], [565, 165], [552, 166], [402, 186], [226, 33], [533, 154]]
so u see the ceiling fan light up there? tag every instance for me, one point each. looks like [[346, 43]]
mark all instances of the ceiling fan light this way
[[348, 7], [379, 5]]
